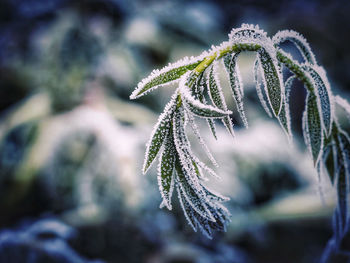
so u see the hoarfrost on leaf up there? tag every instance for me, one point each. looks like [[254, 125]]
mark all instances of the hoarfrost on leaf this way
[[166, 170], [198, 77], [261, 91], [323, 91], [158, 134], [217, 96], [167, 75], [299, 41], [313, 127], [230, 62], [272, 80]]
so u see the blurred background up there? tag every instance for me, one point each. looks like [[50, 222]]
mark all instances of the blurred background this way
[[72, 143]]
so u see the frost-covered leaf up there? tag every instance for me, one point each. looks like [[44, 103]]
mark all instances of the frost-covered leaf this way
[[323, 91], [198, 204], [201, 140], [184, 153], [187, 209], [313, 128], [343, 187], [165, 171], [299, 41], [212, 127], [197, 108], [167, 75], [272, 80], [284, 117], [158, 134], [261, 91], [230, 62], [214, 196], [249, 34], [195, 220], [342, 194], [217, 96], [329, 159], [198, 94], [203, 166]]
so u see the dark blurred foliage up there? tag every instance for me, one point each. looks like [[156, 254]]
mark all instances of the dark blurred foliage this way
[[43, 241], [71, 142]]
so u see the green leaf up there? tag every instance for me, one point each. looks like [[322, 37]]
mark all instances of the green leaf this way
[[299, 41], [166, 75], [261, 91], [230, 62], [165, 171], [313, 132], [198, 94], [329, 158], [159, 133], [217, 97], [199, 109], [284, 116], [323, 91], [272, 80]]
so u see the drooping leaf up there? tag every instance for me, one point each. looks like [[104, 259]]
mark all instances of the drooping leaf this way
[[284, 117], [217, 96], [343, 176], [272, 80], [329, 159], [261, 91], [230, 62], [160, 131], [198, 94], [313, 130], [299, 41], [345, 149], [198, 204], [166, 171], [323, 91], [199, 109], [201, 140], [342, 194], [214, 196], [205, 167], [168, 74], [183, 149], [187, 209]]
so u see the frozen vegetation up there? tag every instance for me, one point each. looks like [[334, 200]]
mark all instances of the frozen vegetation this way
[[200, 95]]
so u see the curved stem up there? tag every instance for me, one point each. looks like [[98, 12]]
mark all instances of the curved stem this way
[[291, 64], [295, 68]]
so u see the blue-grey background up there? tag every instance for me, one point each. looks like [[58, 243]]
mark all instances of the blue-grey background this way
[[72, 143]]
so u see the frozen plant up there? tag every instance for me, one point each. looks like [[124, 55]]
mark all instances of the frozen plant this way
[[198, 82]]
